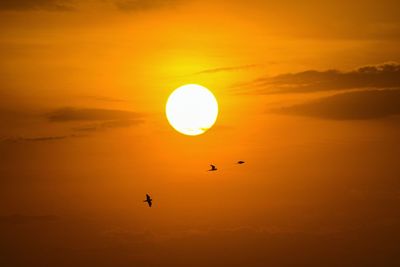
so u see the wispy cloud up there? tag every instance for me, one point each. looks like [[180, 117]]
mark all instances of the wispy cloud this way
[[80, 121], [90, 114], [107, 125], [227, 69], [143, 5], [103, 98], [95, 119]]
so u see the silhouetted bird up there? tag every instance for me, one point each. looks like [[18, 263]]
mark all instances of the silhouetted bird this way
[[148, 200], [213, 168], [240, 162]]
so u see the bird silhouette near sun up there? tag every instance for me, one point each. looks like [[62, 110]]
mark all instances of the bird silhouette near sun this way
[[213, 168], [191, 110], [148, 200]]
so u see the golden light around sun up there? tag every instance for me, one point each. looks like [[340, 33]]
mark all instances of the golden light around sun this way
[[192, 109]]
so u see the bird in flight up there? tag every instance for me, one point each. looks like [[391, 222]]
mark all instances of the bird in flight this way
[[213, 168], [148, 200], [240, 162]]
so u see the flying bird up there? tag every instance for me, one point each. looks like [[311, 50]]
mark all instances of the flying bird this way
[[240, 162], [213, 168], [148, 200]]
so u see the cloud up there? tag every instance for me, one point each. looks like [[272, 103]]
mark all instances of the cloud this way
[[108, 125], [103, 98], [386, 75], [90, 114], [142, 5], [226, 69], [22, 5], [356, 105], [23, 219], [81, 121], [102, 118], [39, 138]]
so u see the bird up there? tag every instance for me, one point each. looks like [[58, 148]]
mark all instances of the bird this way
[[213, 168], [240, 162], [148, 200]]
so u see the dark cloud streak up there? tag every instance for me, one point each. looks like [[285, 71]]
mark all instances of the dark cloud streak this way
[[23, 219], [385, 75], [39, 138], [357, 105], [44, 138], [23, 5]]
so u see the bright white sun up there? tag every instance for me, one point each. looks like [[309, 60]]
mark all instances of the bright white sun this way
[[192, 109]]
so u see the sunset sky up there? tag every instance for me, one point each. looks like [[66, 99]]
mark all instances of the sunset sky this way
[[309, 98]]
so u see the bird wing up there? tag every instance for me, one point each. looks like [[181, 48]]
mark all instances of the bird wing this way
[[213, 167], [148, 197], [149, 202]]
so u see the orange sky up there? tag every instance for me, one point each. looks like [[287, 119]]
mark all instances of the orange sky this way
[[309, 97]]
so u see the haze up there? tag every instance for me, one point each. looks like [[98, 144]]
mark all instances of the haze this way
[[309, 98]]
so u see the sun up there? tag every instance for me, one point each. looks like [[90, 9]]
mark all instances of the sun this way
[[192, 109]]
